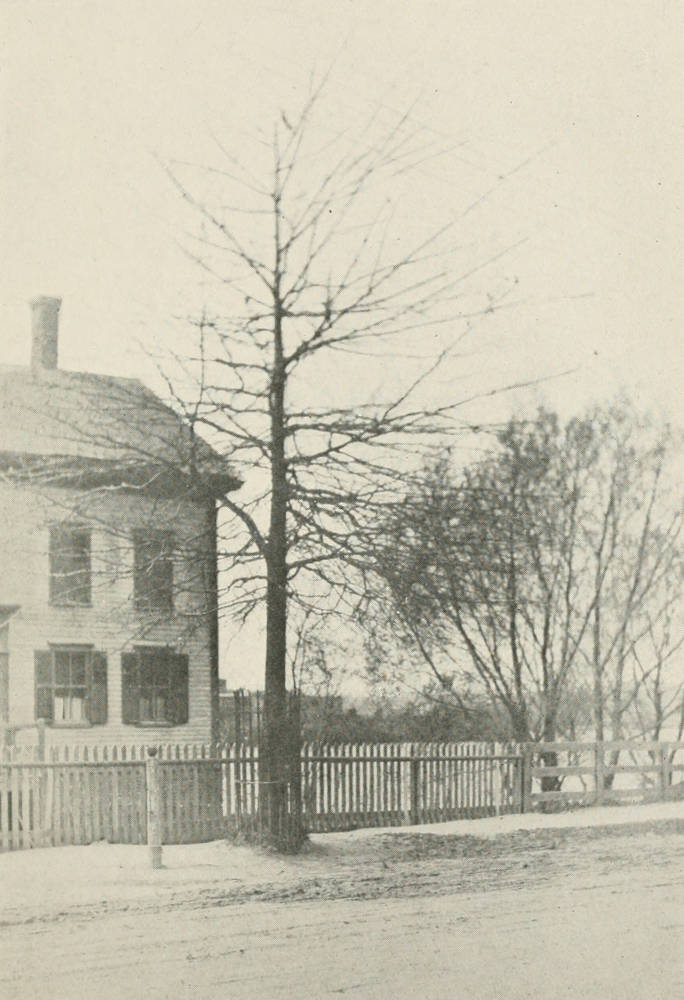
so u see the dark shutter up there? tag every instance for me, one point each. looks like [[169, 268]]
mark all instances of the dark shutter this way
[[97, 689], [141, 589], [178, 712], [130, 689], [43, 679]]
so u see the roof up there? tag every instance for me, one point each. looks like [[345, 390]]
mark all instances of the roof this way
[[7, 611], [77, 427]]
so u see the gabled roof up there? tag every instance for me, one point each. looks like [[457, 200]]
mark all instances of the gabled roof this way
[[80, 428]]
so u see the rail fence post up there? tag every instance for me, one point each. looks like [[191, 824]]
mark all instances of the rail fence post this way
[[154, 840]]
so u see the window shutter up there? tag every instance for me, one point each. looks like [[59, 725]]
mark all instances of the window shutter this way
[[178, 689], [97, 689], [43, 679], [130, 689]]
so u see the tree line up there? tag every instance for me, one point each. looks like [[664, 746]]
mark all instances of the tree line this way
[[546, 577]]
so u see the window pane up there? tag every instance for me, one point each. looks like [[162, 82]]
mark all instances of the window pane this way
[[69, 705], [77, 707], [69, 565], [61, 666], [154, 680], [146, 669], [153, 571], [160, 706], [61, 705], [160, 670], [78, 668], [70, 693], [145, 706], [149, 711]]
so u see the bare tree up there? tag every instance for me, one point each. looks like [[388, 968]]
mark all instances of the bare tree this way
[[320, 290], [632, 529], [656, 685]]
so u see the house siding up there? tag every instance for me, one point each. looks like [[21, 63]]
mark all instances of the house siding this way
[[110, 623]]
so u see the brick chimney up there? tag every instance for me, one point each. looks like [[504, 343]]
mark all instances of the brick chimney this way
[[44, 332]]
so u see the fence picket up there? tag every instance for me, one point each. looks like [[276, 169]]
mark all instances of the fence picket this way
[[116, 828], [127, 775], [5, 842]]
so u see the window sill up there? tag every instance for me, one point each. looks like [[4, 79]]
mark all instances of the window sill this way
[[70, 725], [156, 725], [70, 604], [158, 612]]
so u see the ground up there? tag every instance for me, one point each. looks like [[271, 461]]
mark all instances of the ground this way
[[580, 905]]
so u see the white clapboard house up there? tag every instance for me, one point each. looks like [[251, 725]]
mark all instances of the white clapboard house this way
[[108, 557]]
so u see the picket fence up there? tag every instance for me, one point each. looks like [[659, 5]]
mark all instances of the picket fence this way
[[54, 796], [80, 795]]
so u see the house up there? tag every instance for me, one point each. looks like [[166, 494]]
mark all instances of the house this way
[[108, 557]]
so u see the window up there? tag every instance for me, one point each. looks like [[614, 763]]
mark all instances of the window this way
[[69, 565], [154, 687], [153, 571], [71, 685]]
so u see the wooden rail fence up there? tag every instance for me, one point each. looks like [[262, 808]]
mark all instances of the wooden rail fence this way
[[57, 796], [569, 773]]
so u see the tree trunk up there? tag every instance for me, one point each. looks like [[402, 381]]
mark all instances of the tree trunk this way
[[276, 765], [599, 729], [550, 782], [212, 600], [273, 752]]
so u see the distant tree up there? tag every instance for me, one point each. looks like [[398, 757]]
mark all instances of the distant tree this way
[[631, 531]]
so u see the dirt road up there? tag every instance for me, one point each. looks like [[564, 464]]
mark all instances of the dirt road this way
[[582, 914]]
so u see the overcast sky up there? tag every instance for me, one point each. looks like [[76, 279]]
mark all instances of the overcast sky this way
[[564, 125]]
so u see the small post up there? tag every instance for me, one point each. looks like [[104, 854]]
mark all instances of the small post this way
[[599, 773], [40, 725], [665, 772], [154, 840], [518, 794]]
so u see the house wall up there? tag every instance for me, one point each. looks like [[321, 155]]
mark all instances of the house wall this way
[[111, 624]]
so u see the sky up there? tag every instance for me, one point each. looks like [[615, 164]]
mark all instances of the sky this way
[[562, 127]]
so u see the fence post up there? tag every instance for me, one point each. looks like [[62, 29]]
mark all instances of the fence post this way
[[526, 778], [415, 764], [405, 783], [599, 773], [665, 772], [154, 841]]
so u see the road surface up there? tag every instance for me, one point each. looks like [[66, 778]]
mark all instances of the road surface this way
[[601, 919]]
